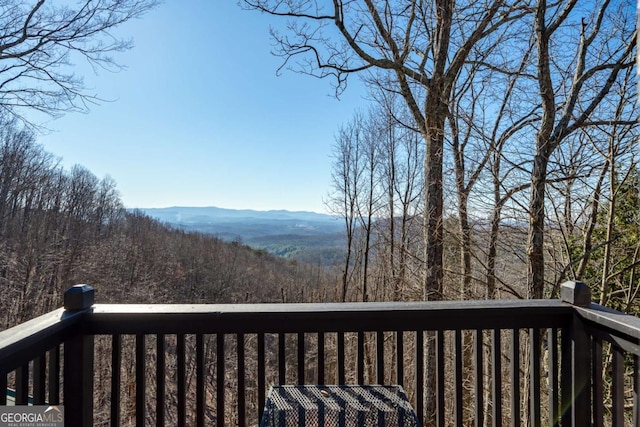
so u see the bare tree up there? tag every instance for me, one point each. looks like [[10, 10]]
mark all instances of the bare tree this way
[[601, 42], [369, 199], [401, 183], [347, 182], [422, 46], [40, 41]]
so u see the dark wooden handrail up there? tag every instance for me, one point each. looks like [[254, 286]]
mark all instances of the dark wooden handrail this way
[[335, 317], [28, 340], [607, 319]]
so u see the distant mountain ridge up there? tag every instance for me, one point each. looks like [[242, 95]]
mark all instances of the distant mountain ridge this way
[[189, 214], [302, 235]]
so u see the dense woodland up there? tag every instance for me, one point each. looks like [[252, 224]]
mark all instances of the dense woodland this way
[[498, 157], [592, 227], [518, 113], [62, 227]]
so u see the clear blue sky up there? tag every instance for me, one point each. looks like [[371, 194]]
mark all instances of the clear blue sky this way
[[200, 118]]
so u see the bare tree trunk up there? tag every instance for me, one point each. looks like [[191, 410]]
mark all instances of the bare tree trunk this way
[[347, 259], [367, 250], [568, 202], [544, 147], [536, 227], [587, 244], [433, 285], [465, 247], [493, 243], [391, 182], [346, 185], [367, 219], [606, 259]]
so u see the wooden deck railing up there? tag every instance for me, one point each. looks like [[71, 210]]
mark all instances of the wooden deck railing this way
[[529, 362]]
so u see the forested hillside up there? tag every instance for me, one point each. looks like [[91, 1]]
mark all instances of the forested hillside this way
[[62, 227]]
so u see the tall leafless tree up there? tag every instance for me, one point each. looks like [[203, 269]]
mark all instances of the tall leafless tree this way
[[597, 42], [421, 45], [346, 185]]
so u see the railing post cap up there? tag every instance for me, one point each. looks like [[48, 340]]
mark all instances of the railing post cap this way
[[78, 297], [576, 293]]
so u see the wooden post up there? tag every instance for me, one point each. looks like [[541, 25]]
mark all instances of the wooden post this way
[[575, 293], [78, 362], [78, 297], [579, 294]]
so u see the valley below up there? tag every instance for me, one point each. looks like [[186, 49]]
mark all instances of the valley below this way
[[302, 236]]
